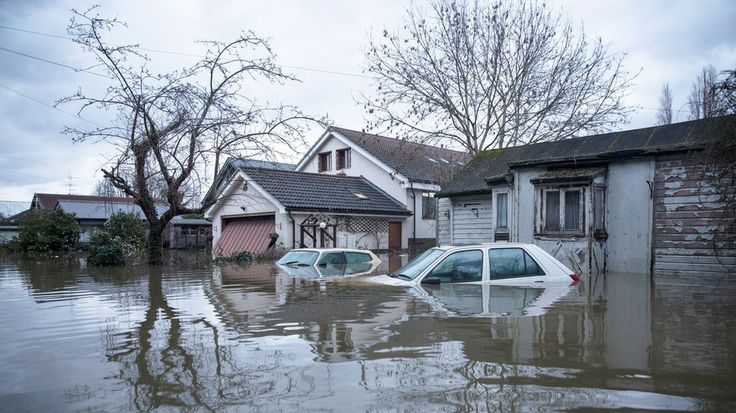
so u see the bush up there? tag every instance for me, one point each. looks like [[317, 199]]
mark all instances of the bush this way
[[123, 237], [242, 258], [128, 228], [106, 255], [44, 230]]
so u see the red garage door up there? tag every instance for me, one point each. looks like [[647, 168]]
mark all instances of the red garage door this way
[[245, 234]]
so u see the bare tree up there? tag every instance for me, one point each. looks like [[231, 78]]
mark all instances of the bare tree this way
[[704, 101], [488, 76], [719, 158], [105, 188], [664, 115], [169, 125]]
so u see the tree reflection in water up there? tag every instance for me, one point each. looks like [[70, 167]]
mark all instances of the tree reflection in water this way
[[171, 360]]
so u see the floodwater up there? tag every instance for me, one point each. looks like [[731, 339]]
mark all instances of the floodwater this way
[[257, 339]]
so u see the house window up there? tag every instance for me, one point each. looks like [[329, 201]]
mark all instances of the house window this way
[[599, 209], [502, 210], [342, 159], [429, 206], [563, 211], [324, 161]]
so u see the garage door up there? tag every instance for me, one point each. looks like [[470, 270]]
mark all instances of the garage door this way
[[245, 234], [471, 220]]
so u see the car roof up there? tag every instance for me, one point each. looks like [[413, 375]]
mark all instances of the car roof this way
[[331, 250], [486, 245]]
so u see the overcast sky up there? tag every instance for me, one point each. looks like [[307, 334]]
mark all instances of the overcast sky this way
[[669, 41]]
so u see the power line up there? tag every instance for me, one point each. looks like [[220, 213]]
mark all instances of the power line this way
[[304, 68], [48, 105], [76, 69]]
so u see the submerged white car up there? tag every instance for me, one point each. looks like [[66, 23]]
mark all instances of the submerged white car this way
[[496, 263], [328, 262]]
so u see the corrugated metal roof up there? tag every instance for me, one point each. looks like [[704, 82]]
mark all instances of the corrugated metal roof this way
[[252, 235], [49, 201], [103, 210]]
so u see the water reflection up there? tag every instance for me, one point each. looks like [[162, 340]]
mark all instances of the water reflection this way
[[258, 338]]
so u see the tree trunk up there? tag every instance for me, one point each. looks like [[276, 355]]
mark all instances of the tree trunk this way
[[155, 243]]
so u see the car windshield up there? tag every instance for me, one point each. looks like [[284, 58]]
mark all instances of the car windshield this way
[[298, 258], [415, 267]]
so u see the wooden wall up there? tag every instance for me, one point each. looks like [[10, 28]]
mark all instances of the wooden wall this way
[[686, 213]]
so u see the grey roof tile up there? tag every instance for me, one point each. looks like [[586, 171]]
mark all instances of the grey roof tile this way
[[301, 191], [418, 162]]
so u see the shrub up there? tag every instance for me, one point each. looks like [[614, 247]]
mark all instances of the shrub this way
[[242, 258], [106, 255], [123, 237], [47, 230], [129, 228]]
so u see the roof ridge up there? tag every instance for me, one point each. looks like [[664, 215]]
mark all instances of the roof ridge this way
[[402, 140], [302, 172]]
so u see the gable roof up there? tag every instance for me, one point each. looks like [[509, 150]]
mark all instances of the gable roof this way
[[417, 162], [492, 165], [302, 191], [49, 201]]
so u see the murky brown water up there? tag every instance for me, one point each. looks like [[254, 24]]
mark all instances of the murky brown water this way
[[254, 339]]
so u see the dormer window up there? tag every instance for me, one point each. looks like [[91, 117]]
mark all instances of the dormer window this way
[[324, 162], [342, 159]]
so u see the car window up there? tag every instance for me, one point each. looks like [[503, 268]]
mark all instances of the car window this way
[[357, 257], [413, 268], [332, 258], [512, 262], [298, 258], [458, 267]]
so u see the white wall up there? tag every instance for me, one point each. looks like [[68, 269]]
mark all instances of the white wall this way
[[359, 166], [362, 166], [629, 215], [239, 203]]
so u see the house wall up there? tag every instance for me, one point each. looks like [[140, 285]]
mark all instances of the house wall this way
[[629, 215], [571, 251], [686, 213], [472, 220], [239, 203], [354, 231], [444, 221], [360, 165]]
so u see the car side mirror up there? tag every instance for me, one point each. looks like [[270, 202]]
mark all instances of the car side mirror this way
[[431, 280]]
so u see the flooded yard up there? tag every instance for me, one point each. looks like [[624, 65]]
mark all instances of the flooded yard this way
[[205, 338]]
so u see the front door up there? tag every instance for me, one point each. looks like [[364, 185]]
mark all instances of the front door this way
[[394, 235]]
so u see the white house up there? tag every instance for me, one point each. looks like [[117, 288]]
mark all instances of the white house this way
[[629, 201], [367, 191]]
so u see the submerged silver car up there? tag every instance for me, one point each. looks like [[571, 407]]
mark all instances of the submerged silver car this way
[[328, 262], [495, 263]]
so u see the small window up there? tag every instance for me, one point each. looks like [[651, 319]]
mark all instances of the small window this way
[[360, 195], [563, 211], [502, 210], [599, 209], [429, 206], [511, 263], [324, 161], [463, 266], [342, 159], [357, 257]]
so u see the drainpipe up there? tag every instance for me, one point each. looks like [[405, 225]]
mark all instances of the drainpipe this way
[[293, 229], [414, 216]]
